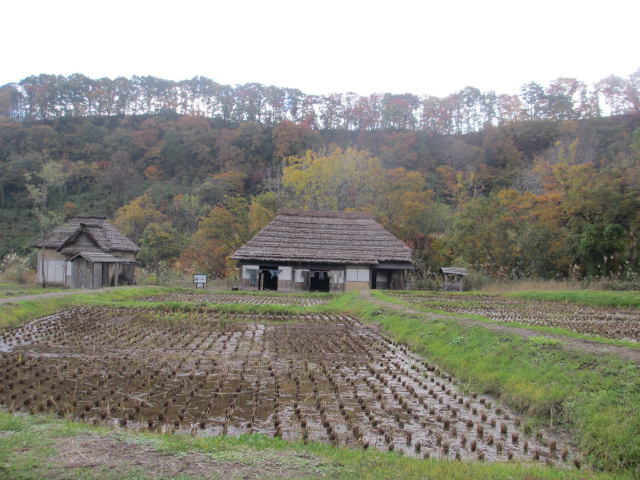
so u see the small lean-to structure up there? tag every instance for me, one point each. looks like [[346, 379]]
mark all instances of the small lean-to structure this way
[[302, 251], [452, 278], [87, 252]]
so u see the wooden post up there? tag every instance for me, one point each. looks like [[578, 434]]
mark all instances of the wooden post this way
[[44, 278]]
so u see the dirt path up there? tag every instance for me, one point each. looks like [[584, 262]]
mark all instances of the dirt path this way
[[569, 343], [118, 457], [60, 294]]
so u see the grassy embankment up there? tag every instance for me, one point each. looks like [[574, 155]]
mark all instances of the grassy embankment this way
[[14, 290], [36, 448], [16, 313], [585, 297], [622, 300], [597, 400], [596, 298], [531, 285]]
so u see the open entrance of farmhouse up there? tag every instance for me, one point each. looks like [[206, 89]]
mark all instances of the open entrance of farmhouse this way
[[386, 278], [269, 277], [380, 279], [319, 281]]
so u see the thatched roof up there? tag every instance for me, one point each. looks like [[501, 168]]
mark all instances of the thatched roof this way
[[106, 237], [344, 238], [99, 257], [454, 270]]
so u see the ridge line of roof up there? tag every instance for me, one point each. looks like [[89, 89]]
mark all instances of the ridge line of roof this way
[[317, 213]]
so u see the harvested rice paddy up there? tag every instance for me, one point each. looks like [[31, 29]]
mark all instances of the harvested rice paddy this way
[[607, 322], [309, 377]]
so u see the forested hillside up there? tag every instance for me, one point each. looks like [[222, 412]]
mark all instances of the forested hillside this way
[[537, 184]]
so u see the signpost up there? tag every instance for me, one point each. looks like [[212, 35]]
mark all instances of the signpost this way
[[200, 280]]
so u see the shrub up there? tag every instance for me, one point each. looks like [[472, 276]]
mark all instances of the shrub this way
[[426, 283], [15, 269], [476, 280]]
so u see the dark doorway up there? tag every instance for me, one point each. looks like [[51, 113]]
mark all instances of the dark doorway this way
[[105, 274], [269, 278], [385, 280], [319, 282]]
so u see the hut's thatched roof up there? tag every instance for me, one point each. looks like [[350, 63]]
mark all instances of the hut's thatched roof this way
[[345, 238], [99, 257], [106, 237], [454, 270]]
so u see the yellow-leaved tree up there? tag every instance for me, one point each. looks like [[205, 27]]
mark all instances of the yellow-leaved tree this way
[[132, 219], [401, 201], [338, 181]]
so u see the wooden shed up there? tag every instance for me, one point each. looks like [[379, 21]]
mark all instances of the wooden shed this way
[[323, 252], [88, 252], [452, 278]]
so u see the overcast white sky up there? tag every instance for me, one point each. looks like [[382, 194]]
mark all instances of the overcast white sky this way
[[422, 47]]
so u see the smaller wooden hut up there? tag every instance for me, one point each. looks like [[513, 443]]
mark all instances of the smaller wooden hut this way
[[88, 252], [452, 278]]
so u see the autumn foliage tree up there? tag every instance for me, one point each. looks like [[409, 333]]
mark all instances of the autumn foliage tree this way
[[161, 245], [40, 185], [227, 227], [401, 200], [133, 218], [338, 181]]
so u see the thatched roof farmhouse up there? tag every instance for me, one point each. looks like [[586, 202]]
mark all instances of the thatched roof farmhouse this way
[[323, 251], [87, 252]]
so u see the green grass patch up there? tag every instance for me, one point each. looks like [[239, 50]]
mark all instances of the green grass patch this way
[[17, 313], [584, 297], [545, 341], [29, 450], [13, 290]]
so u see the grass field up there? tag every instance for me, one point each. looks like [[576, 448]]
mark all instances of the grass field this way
[[11, 290], [584, 297]]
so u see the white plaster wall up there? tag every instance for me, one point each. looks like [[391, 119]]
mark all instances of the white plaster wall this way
[[246, 268], [286, 273], [357, 274]]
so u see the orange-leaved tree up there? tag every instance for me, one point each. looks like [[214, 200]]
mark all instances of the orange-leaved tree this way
[[228, 226]]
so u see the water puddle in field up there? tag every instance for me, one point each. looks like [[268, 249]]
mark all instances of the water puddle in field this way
[[322, 378]]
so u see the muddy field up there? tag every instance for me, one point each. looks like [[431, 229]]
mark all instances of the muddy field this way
[[310, 378], [225, 298], [609, 322]]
